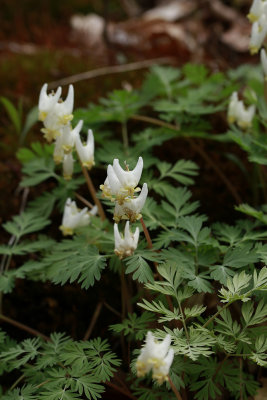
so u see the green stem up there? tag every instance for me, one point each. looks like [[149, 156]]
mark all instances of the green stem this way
[[17, 382], [216, 314], [183, 320]]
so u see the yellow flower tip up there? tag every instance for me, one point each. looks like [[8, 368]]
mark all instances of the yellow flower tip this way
[[67, 148], [67, 177], [65, 119], [50, 134], [265, 78], [244, 125], [65, 230], [42, 116], [231, 120], [253, 50], [57, 159], [160, 378], [252, 17], [89, 165]]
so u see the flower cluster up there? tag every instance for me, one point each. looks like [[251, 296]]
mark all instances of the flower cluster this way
[[74, 218], [258, 16], [238, 113], [155, 356], [56, 116], [121, 187]]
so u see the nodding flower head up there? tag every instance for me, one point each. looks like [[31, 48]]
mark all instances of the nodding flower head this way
[[238, 113], [74, 218], [130, 209], [125, 246], [264, 62], [86, 151], [258, 8], [47, 101], [258, 34], [155, 356], [122, 183]]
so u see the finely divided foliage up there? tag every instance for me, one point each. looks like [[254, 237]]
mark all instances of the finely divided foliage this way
[[198, 289]]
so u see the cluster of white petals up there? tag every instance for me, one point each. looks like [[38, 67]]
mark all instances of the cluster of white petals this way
[[121, 186], [56, 116], [237, 113], [74, 218], [125, 245], [155, 356], [258, 16]]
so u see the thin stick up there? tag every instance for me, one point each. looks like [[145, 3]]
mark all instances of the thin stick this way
[[147, 235], [112, 309], [119, 389], [216, 314], [83, 200], [93, 321], [175, 391], [198, 149], [24, 327], [114, 69], [93, 193], [17, 382]]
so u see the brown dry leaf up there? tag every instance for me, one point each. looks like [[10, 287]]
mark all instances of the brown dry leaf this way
[[171, 10], [262, 392]]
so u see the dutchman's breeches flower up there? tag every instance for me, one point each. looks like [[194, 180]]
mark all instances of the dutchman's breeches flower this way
[[74, 218], [68, 164], [86, 150], [258, 34], [258, 8], [131, 207], [55, 113], [122, 183], [238, 113], [155, 356], [125, 246]]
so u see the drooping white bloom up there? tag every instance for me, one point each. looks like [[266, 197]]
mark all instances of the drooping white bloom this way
[[58, 154], [125, 246], [69, 136], [54, 113], [155, 356], [131, 207], [74, 218], [128, 179], [47, 101], [68, 164], [233, 108], [86, 151], [122, 183], [258, 34], [238, 113], [257, 8], [264, 62]]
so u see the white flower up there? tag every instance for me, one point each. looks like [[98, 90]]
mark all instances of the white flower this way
[[155, 356], [258, 8], [47, 102], [86, 151], [68, 163], [131, 207], [74, 218], [238, 113], [55, 114], [128, 179], [58, 150], [69, 136], [264, 62], [125, 246], [122, 183], [233, 108], [258, 34]]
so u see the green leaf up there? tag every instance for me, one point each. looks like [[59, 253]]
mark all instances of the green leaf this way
[[73, 260], [138, 265], [12, 113], [37, 171], [26, 222], [181, 171]]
